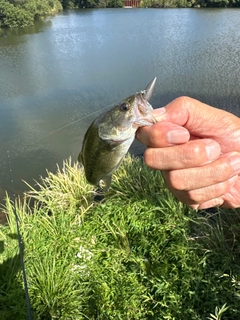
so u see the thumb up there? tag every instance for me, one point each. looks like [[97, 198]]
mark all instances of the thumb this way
[[202, 121]]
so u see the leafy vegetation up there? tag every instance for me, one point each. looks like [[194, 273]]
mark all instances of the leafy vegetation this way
[[21, 13], [14, 13], [77, 4], [136, 254], [189, 3]]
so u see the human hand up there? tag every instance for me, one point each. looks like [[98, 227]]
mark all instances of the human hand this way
[[197, 147]]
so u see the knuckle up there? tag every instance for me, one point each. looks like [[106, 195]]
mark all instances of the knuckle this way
[[194, 152], [183, 100]]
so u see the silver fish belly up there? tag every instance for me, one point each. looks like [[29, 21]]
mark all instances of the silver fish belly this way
[[110, 136]]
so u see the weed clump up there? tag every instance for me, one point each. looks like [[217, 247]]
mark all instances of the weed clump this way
[[137, 254]]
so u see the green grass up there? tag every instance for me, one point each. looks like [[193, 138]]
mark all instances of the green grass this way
[[137, 254]]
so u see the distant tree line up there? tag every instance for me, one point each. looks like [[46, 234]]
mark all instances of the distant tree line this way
[[78, 4], [189, 3], [15, 13]]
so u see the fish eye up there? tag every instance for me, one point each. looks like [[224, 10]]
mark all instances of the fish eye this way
[[124, 107]]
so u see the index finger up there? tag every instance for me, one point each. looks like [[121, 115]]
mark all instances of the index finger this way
[[202, 120], [162, 134]]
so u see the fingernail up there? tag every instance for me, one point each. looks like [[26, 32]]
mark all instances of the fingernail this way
[[211, 203], [235, 163], [178, 136], [212, 149]]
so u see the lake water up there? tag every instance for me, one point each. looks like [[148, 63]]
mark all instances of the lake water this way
[[66, 68]]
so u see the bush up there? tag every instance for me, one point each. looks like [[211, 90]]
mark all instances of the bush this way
[[23, 13], [14, 17], [136, 254]]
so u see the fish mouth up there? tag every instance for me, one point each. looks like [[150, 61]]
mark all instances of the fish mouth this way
[[143, 112]]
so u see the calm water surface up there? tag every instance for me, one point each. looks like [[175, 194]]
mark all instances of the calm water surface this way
[[70, 66]]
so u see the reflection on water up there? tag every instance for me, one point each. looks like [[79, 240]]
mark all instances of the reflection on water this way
[[38, 26], [69, 66]]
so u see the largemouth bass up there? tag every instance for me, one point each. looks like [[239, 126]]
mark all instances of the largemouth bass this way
[[111, 134]]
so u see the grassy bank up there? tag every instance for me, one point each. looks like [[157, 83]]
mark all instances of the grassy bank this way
[[137, 254]]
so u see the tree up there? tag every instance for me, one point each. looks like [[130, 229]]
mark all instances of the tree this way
[[21, 13]]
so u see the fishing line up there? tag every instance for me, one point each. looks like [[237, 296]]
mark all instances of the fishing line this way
[[78, 120], [20, 243]]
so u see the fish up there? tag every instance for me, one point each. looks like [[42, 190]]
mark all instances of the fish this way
[[110, 135]]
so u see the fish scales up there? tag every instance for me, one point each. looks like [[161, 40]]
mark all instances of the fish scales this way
[[110, 136], [95, 154]]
